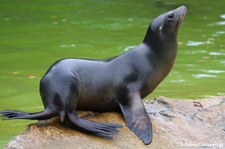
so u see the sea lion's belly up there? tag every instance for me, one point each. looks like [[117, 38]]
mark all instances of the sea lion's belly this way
[[98, 103]]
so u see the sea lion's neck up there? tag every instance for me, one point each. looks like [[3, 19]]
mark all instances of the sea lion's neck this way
[[161, 53], [164, 46], [160, 42]]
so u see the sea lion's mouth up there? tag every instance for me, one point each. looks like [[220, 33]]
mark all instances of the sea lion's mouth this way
[[182, 15]]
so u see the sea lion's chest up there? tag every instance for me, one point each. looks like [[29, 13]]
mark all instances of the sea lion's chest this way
[[157, 74]]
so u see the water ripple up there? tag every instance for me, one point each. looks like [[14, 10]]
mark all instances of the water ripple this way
[[216, 53], [203, 76], [68, 46], [222, 16], [218, 33], [222, 62], [195, 43], [178, 81], [214, 71], [221, 23]]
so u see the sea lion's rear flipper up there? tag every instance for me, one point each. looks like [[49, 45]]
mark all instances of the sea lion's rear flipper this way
[[106, 130], [137, 118], [14, 114]]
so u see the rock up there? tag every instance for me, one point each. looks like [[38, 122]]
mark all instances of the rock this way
[[176, 124]]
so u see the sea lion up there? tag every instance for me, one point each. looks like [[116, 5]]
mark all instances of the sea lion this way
[[105, 85]]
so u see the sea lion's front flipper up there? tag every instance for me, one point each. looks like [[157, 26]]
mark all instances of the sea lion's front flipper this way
[[137, 118]]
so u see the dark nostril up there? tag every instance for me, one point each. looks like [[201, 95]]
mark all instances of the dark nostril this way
[[171, 16]]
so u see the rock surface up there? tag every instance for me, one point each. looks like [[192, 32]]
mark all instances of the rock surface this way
[[176, 124]]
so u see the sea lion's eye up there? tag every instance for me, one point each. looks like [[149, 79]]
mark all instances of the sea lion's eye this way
[[170, 17]]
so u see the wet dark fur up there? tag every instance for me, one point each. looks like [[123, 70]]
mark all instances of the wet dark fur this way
[[105, 85]]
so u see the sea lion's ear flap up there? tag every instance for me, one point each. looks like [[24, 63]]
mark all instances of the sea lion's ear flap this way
[[161, 28]]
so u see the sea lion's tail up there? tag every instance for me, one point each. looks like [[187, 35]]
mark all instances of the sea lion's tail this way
[[107, 130], [13, 114]]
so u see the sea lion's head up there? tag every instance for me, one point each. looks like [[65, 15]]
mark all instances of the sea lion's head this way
[[162, 32], [169, 22]]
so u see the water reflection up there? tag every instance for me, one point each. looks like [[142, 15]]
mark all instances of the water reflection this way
[[222, 62], [221, 23], [178, 81], [199, 52], [203, 76], [214, 71], [217, 53], [218, 33], [68, 46], [222, 16], [195, 43]]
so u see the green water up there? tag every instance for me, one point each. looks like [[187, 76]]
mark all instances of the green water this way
[[35, 34]]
